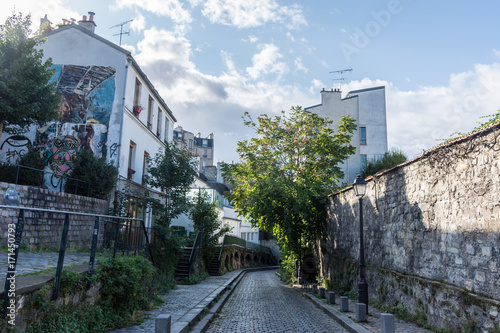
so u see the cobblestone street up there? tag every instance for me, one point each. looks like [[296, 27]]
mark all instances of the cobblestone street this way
[[262, 303]]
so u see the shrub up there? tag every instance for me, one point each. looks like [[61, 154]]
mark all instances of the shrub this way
[[388, 160], [96, 171], [31, 159]]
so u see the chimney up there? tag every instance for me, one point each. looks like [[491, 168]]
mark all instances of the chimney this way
[[90, 24], [45, 25]]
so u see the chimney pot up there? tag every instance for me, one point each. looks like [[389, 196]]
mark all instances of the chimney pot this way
[[91, 16], [84, 18]]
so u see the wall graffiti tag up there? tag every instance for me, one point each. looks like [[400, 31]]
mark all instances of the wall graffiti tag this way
[[60, 159], [14, 147]]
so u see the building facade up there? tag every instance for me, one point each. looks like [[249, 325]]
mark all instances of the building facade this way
[[368, 108], [108, 105], [202, 148]]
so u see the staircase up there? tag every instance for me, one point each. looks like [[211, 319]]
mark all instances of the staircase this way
[[182, 267], [214, 267]]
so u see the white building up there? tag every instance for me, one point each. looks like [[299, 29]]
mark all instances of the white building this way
[[367, 107], [108, 105], [202, 148]]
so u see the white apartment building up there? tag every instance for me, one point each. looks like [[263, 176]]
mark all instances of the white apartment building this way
[[368, 108]]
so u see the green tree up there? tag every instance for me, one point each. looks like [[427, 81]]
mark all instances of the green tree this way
[[388, 160], [91, 174], [172, 171], [204, 215], [26, 94], [286, 173]]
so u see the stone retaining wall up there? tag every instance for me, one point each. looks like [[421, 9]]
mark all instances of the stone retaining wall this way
[[42, 230], [432, 235]]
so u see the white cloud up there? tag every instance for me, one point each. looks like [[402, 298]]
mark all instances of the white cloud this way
[[55, 10], [168, 8], [139, 23], [417, 118], [496, 53], [246, 14], [300, 66], [290, 36], [266, 62]]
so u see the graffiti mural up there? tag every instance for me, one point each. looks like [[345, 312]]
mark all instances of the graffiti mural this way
[[87, 96], [14, 147]]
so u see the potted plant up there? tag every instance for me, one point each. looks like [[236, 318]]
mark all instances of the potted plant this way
[[137, 110]]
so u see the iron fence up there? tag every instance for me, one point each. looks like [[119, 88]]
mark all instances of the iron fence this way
[[118, 234], [24, 175]]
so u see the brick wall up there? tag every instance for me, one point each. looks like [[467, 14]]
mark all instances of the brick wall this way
[[42, 230], [432, 234]]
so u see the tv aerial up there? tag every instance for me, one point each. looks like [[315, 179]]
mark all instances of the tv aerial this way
[[341, 78], [121, 30]]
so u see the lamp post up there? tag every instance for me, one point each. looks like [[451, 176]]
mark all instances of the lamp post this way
[[360, 190]]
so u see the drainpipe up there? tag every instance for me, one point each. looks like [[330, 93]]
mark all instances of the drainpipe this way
[[129, 61]]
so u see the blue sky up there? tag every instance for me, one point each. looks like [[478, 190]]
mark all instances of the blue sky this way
[[213, 60]]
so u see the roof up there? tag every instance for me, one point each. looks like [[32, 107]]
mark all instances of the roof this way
[[366, 89], [128, 54]]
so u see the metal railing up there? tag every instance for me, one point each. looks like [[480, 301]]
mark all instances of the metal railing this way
[[197, 242], [130, 239], [33, 182], [234, 240]]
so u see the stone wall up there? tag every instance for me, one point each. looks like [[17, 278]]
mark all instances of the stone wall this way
[[42, 230], [432, 235]]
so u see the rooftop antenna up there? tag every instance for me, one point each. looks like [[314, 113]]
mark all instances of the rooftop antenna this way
[[342, 78], [121, 30]]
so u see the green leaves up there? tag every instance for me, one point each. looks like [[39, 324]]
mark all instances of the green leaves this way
[[286, 173], [26, 94], [173, 172]]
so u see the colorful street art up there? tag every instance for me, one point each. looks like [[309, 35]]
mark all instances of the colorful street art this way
[[87, 96]]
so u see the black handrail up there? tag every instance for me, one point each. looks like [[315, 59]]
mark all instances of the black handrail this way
[[43, 172], [197, 240]]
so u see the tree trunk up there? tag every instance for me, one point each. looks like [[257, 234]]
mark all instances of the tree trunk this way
[[1, 130]]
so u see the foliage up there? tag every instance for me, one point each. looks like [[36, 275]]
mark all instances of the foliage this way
[[286, 173], [204, 215], [26, 94], [388, 160], [127, 283], [491, 119], [195, 278], [31, 159], [173, 172], [167, 249], [91, 174]]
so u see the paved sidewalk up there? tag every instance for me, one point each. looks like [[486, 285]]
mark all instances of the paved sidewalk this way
[[30, 262], [185, 303], [373, 323]]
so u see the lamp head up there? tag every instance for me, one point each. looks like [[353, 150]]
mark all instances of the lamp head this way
[[359, 186]]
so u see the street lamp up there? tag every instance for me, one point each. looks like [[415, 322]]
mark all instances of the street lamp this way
[[360, 190]]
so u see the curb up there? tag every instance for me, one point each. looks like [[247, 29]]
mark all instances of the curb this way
[[194, 316], [335, 314]]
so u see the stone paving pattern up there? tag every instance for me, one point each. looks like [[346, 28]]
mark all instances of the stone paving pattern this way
[[261, 303], [178, 302], [373, 319], [30, 262]]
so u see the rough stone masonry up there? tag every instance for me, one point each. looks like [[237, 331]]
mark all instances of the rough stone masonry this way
[[432, 235]]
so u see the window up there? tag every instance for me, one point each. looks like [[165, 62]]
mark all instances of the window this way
[[190, 143], [205, 143], [131, 161], [363, 161], [166, 130], [362, 132], [137, 92], [205, 154], [158, 123], [150, 111], [145, 168]]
